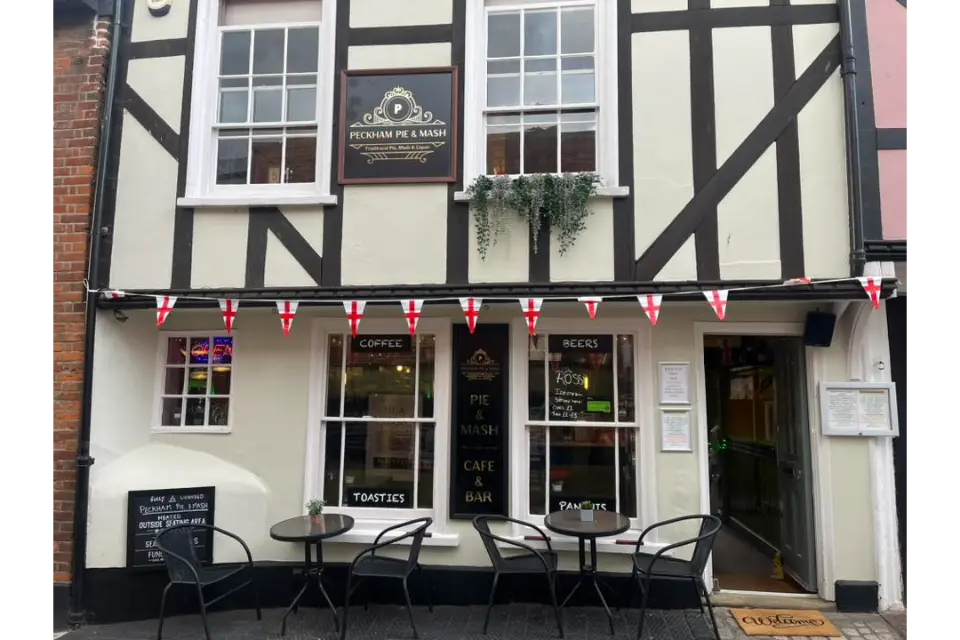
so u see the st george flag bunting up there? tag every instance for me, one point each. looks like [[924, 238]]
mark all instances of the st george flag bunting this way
[[287, 309], [592, 304], [651, 306], [229, 309], [164, 307], [531, 311], [411, 311], [113, 295], [471, 311], [718, 302], [872, 287], [800, 280], [354, 309]]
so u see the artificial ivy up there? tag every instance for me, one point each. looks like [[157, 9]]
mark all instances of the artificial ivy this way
[[560, 200]]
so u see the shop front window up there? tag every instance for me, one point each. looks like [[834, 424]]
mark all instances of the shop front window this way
[[582, 429], [379, 421]]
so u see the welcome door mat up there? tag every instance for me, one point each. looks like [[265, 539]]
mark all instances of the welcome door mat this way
[[784, 622]]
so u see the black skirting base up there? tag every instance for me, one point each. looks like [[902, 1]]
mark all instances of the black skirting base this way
[[121, 595], [857, 596], [61, 606]]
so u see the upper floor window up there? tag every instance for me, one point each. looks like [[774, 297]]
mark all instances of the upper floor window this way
[[195, 382], [262, 86]]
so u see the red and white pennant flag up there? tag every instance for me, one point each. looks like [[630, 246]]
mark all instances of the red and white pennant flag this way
[[531, 311], [164, 307], [651, 306], [873, 288], [229, 310], [287, 309], [800, 280], [471, 311], [354, 309], [113, 294], [411, 311], [718, 301], [592, 303]]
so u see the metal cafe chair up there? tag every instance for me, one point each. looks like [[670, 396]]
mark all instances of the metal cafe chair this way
[[180, 557], [532, 562], [647, 566], [368, 564]]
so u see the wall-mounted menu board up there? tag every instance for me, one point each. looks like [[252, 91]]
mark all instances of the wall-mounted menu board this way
[[858, 409], [152, 510], [480, 427], [571, 397]]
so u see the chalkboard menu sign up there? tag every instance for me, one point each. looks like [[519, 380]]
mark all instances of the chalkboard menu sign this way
[[150, 511], [571, 396], [398, 125], [480, 435]]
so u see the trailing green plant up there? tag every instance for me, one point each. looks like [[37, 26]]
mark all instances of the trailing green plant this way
[[560, 201]]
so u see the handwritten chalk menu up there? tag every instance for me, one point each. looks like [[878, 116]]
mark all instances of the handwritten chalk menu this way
[[153, 510], [481, 403], [571, 396], [858, 409]]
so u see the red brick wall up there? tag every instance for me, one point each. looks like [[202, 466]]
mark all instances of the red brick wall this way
[[79, 62]]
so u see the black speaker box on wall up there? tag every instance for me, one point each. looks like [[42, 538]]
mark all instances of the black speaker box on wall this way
[[818, 329]]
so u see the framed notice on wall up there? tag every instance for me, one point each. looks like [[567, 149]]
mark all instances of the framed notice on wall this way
[[858, 409], [674, 383], [675, 430], [398, 125]]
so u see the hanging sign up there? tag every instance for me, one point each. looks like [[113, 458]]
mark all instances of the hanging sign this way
[[398, 125]]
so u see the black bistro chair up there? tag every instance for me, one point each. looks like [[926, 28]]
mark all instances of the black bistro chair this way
[[531, 563], [647, 566], [369, 565], [180, 556]]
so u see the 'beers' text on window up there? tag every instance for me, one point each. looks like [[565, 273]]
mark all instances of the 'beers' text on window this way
[[379, 421], [578, 384]]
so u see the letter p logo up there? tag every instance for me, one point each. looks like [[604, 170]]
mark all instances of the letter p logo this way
[[397, 108]]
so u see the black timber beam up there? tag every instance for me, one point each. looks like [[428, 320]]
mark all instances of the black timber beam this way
[[729, 17]]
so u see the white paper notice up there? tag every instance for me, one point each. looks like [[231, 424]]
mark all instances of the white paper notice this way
[[873, 410], [675, 431], [842, 409], [674, 383]]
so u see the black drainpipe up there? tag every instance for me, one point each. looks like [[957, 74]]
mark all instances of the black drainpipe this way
[[848, 71], [84, 461]]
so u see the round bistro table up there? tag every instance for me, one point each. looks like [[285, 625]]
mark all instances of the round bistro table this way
[[604, 523], [311, 530]]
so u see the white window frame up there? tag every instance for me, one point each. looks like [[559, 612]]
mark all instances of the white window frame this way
[[645, 475], [475, 86], [370, 519], [161, 365], [201, 187]]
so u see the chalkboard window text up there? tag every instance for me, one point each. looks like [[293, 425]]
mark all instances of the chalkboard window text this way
[[195, 383], [379, 426]]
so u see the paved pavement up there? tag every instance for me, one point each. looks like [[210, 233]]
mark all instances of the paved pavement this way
[[508, 622]]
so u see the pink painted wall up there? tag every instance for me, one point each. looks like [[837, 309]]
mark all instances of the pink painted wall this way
[[893, 194]]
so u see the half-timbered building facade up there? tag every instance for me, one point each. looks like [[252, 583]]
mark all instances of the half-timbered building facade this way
[[306, 172]]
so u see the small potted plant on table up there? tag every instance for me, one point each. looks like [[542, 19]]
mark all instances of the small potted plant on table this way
[[586, 511], [315, 509]]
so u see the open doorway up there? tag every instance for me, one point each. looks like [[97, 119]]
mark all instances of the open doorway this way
[[759, 460]]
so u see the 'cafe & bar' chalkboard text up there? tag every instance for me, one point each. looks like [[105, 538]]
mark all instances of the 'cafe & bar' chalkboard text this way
[[150, 511], [398, 125], [479, 436]]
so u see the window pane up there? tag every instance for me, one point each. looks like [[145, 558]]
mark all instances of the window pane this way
[[503, 150], [578, 81], [233, 105], [331, 464], [302, 50], [301, 159], [503, 35], [176, 350], [171, 412], [173, 381], [427, 355], [540, 145], [380, 373], [196, 412], [581, 378], [538, 470], [265, 160], [222, 351], [267, 105], [540, 82], [578, 146], [503, 83], [334, 374], [537, 398], [219, 412], [625, 369], [235, 53], [582, 467], [576, 35], [301, 104], [425, 488], [378, 465], [220, 381], [232, 160], [197, 381], [268, 51], [627, 442], [540, 33]]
